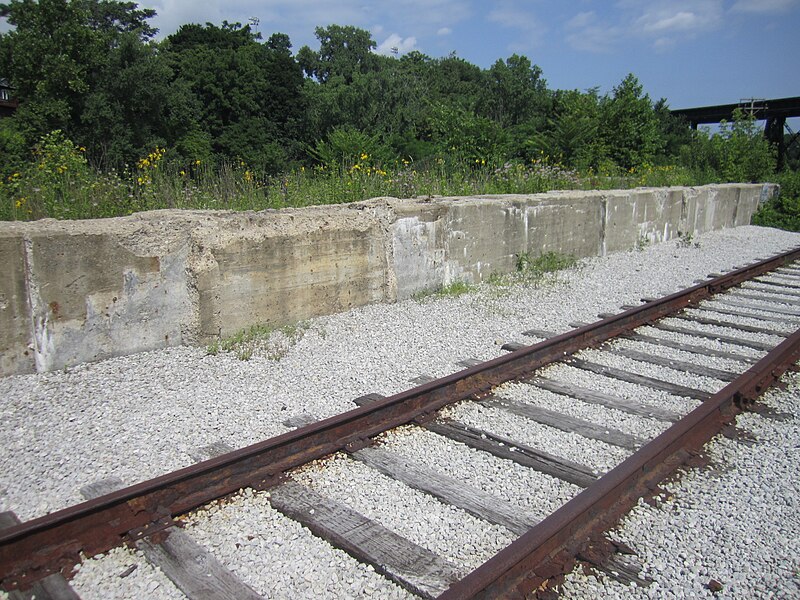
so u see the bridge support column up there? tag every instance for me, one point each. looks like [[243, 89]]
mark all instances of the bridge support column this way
[[773, 131]]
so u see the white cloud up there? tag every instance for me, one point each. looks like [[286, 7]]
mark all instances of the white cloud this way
[[682, 21], [587, 32], [427, 16], [520, 16], [581, 20], [444, 31], [663, 44], [395, 44], [764, 6], [659, 23], [677, 16]]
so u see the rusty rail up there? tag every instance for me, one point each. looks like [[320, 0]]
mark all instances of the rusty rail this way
[[33, 550], [547, 551]]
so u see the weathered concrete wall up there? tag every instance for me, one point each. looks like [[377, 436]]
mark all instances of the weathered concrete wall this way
[[15, 314], [91, 290], [282, 267], [86, 290]]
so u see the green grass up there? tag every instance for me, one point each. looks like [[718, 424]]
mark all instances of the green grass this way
[[61, 184], [260, 340], [686, 240], [533, 269], [81, 192], [549, 262], [530, 270], [451, 290]]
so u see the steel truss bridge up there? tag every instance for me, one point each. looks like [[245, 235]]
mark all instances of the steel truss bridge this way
[[774, 112]]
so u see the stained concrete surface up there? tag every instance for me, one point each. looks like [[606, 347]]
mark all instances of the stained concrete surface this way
[[78, 291]]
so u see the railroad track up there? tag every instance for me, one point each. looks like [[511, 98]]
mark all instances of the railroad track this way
[[562, 409]]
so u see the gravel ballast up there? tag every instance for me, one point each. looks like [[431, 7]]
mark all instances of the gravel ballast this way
[[144, 415], [736, 522]]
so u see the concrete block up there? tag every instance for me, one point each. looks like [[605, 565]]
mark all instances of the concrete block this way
[[450, 239], [16, 352], [642, 216], [483, 236], [277, 268], [93, 298], [566, 223], [418, 248]]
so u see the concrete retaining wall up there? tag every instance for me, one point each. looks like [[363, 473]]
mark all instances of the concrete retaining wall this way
[[78, 291]]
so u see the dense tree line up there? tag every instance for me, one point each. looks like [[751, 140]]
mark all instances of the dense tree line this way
[[92, 69]]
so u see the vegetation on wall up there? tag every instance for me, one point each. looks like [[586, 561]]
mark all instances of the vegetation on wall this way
[[112, 121]]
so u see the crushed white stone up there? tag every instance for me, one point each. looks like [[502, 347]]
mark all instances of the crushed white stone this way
[[736, 522], [140, 416], [94, 578]]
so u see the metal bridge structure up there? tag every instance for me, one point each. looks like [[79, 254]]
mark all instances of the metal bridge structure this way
[[8, 104], [774, 112]]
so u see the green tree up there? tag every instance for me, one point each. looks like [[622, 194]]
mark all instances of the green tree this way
[[248, 95], [455, 82], [54, 51], [467, 137], [13, 148], [133, 106], [738, 152], [675, 131], [516, 93], [571, 134], [343, 51], [629, 126]]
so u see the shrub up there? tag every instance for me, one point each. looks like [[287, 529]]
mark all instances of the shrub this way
[[739, 152], [782, 212]]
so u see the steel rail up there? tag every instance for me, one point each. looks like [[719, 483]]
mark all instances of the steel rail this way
[[547, 551], [55, 542]]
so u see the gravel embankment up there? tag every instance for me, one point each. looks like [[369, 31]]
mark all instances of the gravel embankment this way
[[140, 416]]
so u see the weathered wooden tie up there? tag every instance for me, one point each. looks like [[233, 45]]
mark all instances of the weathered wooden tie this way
[[504, 448], [761, 298], [726, 339], [193, 569], [630, 406], [774, 309], [483, 505], [643, 380], [694, 349], [566, 423], [786, 320], [411, 566], [695, 318]]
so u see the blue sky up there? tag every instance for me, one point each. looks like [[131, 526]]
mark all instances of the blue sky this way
[[692, 53]]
